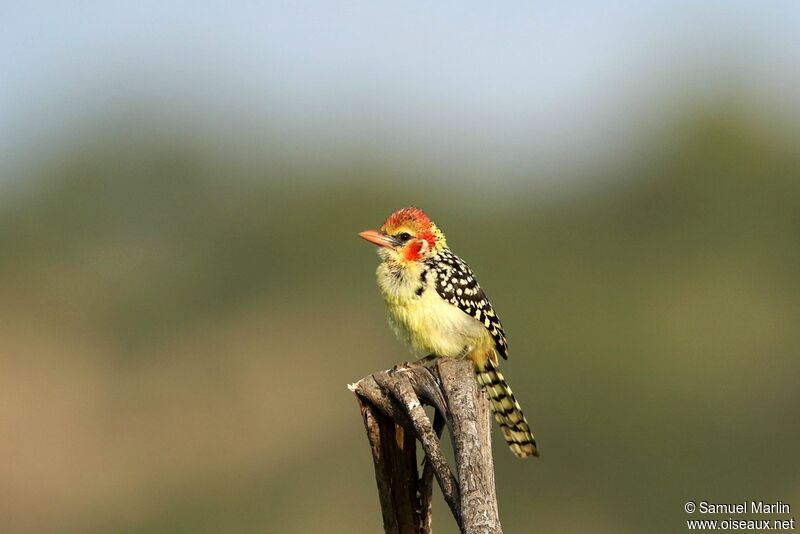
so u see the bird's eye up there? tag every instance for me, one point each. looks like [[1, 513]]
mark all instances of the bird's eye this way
[[405, 236]]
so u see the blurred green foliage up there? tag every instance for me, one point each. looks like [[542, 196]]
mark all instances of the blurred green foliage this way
[[179, 329]]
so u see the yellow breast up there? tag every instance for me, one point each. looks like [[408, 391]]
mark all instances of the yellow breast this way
[[426, 322]]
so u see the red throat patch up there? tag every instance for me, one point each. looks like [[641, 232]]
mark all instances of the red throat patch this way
[[413, 250]]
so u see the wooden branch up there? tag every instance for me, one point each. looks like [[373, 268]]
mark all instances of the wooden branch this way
[[399, 385], [394, 455], [426, 483], [391, 404], [470, 429]]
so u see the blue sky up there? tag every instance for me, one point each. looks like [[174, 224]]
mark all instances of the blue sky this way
[[493, 83]]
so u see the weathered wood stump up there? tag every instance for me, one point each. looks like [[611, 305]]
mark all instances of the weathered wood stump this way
[[391, 404]]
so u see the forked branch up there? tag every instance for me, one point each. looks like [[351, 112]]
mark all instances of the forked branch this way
[[391, 404]]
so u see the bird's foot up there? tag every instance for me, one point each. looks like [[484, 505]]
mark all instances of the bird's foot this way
[[426, 361], [464, 352]]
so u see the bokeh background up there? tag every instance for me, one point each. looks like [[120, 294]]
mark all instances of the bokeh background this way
[[184, 298]]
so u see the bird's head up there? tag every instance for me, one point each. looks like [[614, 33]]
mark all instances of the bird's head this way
[[407, 235]]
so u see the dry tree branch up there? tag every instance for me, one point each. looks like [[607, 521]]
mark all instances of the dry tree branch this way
[[391, 404]]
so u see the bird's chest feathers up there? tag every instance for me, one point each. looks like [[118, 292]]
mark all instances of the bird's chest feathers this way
[[420, 316], [401, 283]]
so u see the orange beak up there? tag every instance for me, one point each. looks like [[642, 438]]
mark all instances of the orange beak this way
[[374, 236]]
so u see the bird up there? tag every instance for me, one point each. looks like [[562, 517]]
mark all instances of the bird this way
[[436, 306]]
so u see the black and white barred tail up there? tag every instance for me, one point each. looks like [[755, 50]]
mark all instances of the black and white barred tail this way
[[506, 409]]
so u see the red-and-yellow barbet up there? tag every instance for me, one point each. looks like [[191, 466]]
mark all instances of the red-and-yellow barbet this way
[[436, 306]]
